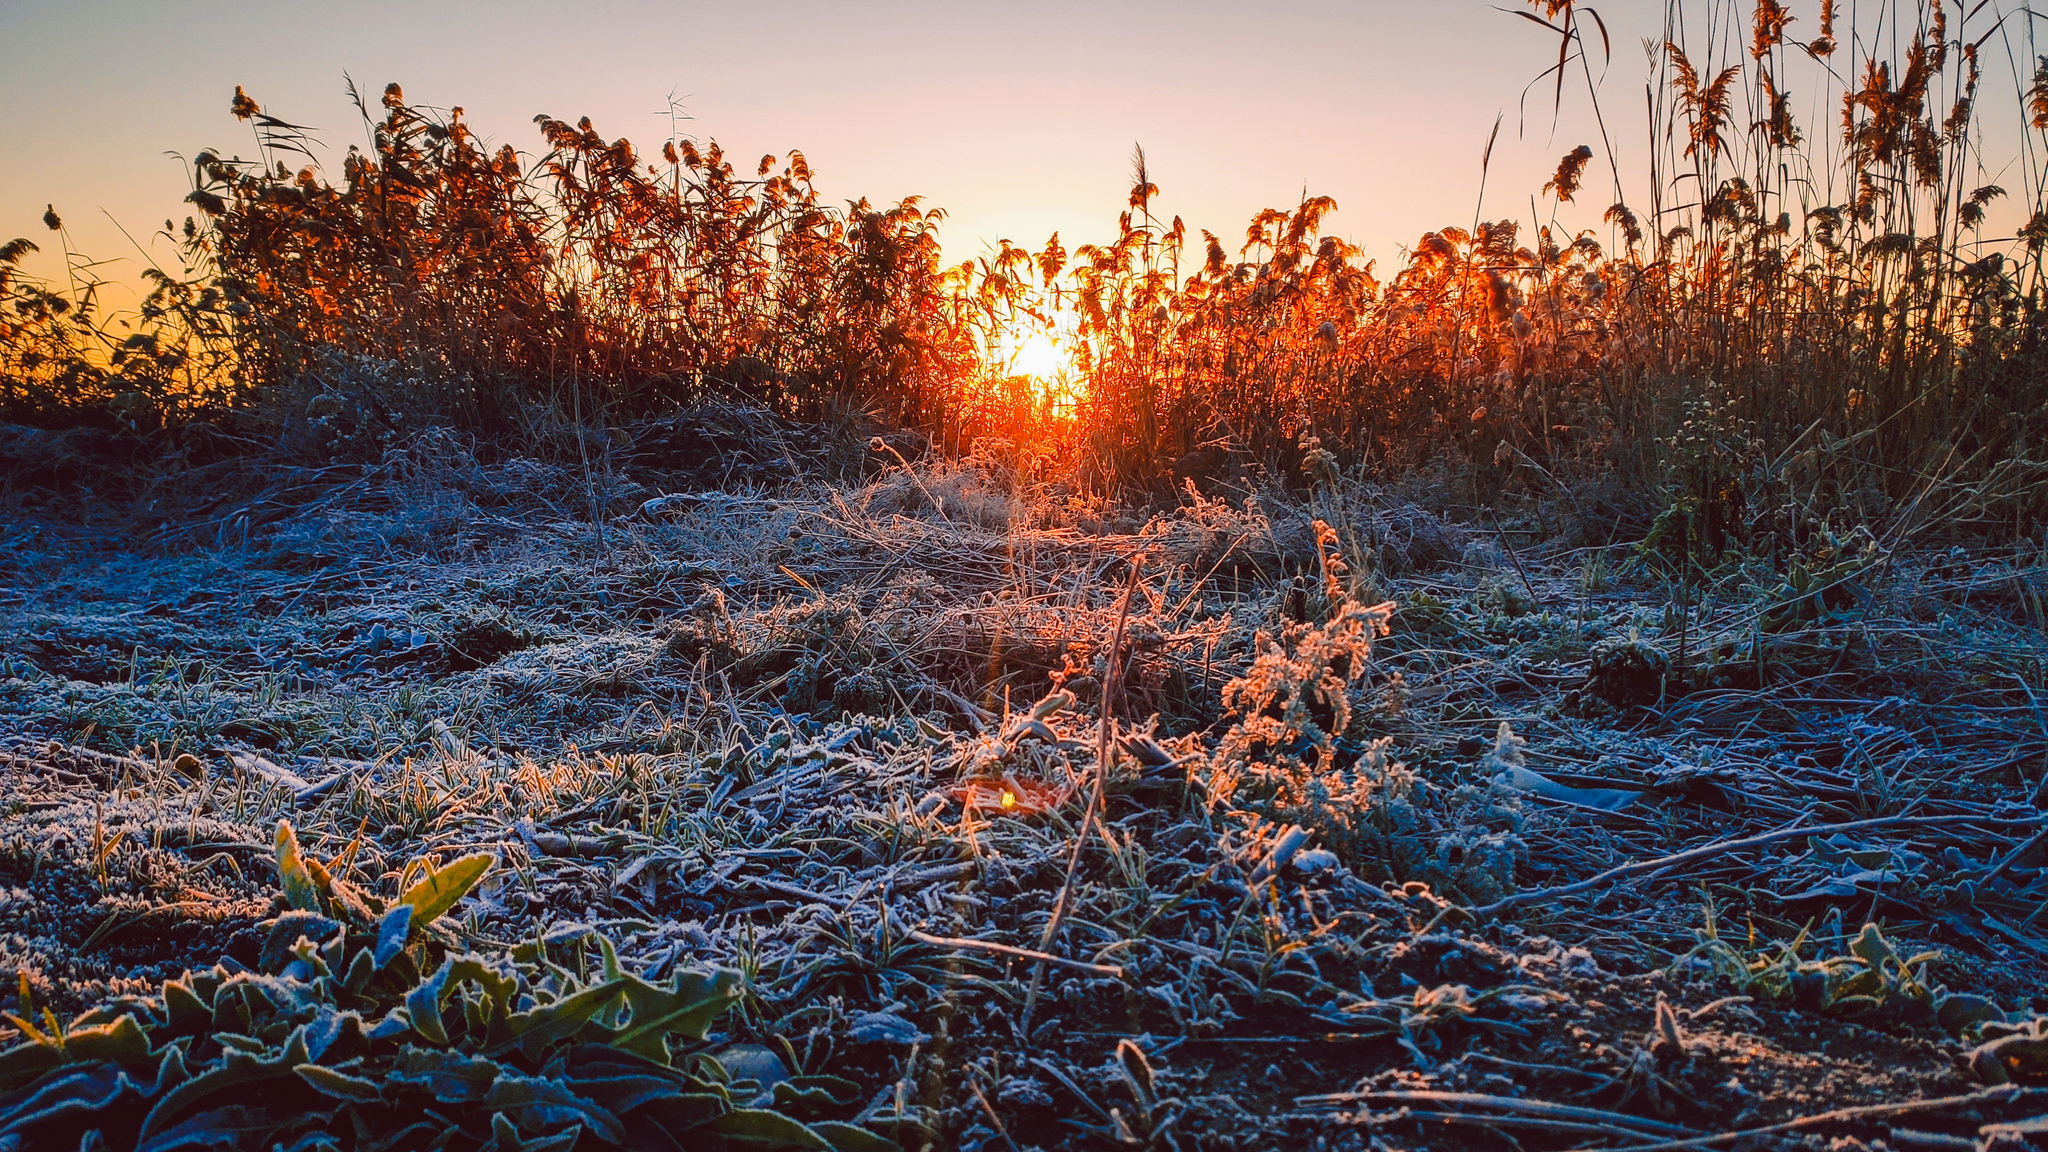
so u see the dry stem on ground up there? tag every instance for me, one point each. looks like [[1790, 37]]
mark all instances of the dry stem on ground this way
[[796, 734]]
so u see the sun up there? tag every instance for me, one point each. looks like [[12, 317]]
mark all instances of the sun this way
[[1033, 352], [1042, 353]]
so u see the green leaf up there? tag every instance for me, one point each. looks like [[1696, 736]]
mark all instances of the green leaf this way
[[186, 1014], [2019, 1052], [234, 1070], [361, 967], [838, 1089], [787, 1097], [562, 1019], [423, 1004], [28, 1028], [340, 1085], [686, 1008], [1960, 1011], [392, 933], [1867, 983], [423, 1007], [544, 1103], [260, 1031], [683, 1113], [234, 1126], [621, 1081], [452, 1077], [760, 1128], [282, 935], [437, 889], [332, 1035], [395, 1023], [299, 889], [85, 1088], [853, 1138], [505, 1137], [1872, 948], [419, 1134], [24, 1062], [123, 1042]]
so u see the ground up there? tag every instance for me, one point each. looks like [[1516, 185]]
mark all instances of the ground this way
[[845, 737]]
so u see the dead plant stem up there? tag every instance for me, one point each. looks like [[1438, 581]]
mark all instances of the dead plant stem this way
[[1105, 743], [1706, 851]]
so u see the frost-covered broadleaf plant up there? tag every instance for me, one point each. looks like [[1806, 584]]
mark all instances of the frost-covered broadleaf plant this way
[[1279, 758], [1872, 981], [367, 1028], [1296, 754]]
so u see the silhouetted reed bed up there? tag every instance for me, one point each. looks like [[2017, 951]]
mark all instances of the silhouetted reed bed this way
[[1791, 322]]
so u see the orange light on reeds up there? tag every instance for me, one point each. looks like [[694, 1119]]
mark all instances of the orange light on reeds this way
[[1032, 351], [1041, 353]]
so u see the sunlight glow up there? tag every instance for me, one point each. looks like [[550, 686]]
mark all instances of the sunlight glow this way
[[1033, 352], [1039, 355]]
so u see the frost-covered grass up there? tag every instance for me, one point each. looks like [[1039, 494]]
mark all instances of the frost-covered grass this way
[[847, 741]]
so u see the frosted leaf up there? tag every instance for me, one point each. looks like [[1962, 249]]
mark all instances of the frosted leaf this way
[[1506, 753]]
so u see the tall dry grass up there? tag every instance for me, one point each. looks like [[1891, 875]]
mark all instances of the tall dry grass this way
[[1780, 305], [65, 358], [584, 277], [1779, 322]]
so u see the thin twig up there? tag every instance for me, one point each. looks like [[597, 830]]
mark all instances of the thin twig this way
[[1109, 970], [974, 1086], [2014, 856], [2002, 1093], [1513, 556], [1706, 850], [1053, 1070], [1503, 1103], [1112, 676], [842, 902], [1496, 1120]]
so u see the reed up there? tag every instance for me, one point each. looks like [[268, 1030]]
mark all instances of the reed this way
[[1781, 323], [1776, 289]]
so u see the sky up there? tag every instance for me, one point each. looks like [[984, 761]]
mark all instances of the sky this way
[[1017, 118]]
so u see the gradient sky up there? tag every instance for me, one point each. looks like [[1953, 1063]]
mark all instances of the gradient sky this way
[[1018, 118]]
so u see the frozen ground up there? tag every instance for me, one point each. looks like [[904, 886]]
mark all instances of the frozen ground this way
[[846, 740]]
